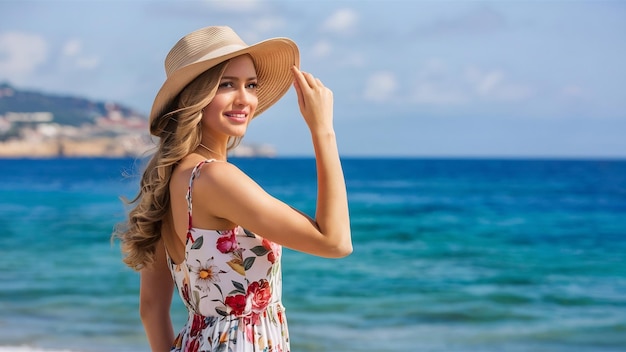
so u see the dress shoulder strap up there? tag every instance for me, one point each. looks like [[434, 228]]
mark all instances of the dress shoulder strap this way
[[194, 174]]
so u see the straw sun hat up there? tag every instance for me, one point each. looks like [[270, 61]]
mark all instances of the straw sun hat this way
[[206, 47]]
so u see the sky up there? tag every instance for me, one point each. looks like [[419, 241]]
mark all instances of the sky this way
[[537, 79]]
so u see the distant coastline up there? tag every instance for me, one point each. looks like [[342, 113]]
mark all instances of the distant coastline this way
[[107, 147], [39, 125]]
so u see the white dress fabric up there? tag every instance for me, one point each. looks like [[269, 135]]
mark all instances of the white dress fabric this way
[[231, 284]]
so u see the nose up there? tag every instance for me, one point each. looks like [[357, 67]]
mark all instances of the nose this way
[[245, 96]]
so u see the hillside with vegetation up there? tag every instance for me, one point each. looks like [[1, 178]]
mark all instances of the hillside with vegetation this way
[[37, 124], [67, 110]]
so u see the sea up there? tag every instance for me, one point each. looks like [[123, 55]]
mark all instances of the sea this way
[[449, 255]]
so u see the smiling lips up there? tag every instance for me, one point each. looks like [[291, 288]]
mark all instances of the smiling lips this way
[[237, 116]]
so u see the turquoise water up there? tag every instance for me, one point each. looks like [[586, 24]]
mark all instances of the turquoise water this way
[[449, 255]]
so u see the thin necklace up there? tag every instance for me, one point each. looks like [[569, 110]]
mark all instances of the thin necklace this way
[[207, 148]]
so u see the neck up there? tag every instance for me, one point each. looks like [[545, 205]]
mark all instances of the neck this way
[[210, 153]]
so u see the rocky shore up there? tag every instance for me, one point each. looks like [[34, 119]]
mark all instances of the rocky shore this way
[[123, 146], [109, 147]]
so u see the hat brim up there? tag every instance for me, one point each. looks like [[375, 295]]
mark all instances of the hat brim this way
[[273, 59]]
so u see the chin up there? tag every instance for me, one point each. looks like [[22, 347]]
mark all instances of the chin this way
[[240, 133], [237, 134]]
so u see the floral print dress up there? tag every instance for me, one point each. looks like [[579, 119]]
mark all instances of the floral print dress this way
[[231, 284]]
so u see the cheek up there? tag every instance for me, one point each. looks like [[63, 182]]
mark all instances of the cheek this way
[[208, 114], [254, 102], [214, 108]]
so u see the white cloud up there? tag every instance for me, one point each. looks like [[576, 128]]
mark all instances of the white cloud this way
[[513, 92], [72, 47], [259, 29], [433, 69], [342, 21], [434, 65], [484, 82], [322, 48], [380, 86], [478, 20], [433, 94], [87, 62], [73, 51], [234, 5], [492, 85], [268, 24], [437, 84], [352, 60], [21, 54]]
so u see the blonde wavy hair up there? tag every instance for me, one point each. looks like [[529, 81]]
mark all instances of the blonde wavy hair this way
[[179, 134]]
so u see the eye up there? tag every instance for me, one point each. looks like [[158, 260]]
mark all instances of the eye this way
[[253, 85], [226, 85]]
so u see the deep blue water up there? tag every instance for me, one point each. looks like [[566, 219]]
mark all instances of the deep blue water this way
[[449, 255]]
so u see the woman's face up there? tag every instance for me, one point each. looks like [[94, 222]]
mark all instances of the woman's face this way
[[235, 102]]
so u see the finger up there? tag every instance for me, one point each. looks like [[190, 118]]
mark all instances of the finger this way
[[297, 86], [300, 78], [309, 79]]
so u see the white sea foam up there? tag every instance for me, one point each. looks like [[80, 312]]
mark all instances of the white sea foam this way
[[27, 349]]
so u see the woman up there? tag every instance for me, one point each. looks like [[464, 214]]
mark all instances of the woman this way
[[202, 222]]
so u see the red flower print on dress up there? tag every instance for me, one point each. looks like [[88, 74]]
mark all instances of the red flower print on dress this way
[[185, 293], [193, 345], [273, 249], [261, 295], [198, 324], [237, 304], [250, 332], [267, 244], [271, 257], [229, 282], [280, 316], [227, 242]]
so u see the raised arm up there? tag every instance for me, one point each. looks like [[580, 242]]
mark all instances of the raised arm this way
[[316, 105], [223, 191]]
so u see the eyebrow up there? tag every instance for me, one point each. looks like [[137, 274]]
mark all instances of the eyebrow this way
[[237, 78]]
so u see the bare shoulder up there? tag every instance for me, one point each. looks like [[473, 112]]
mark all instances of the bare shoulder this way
[[216, 177], [220, 175], [222, 192], [209, 170]]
